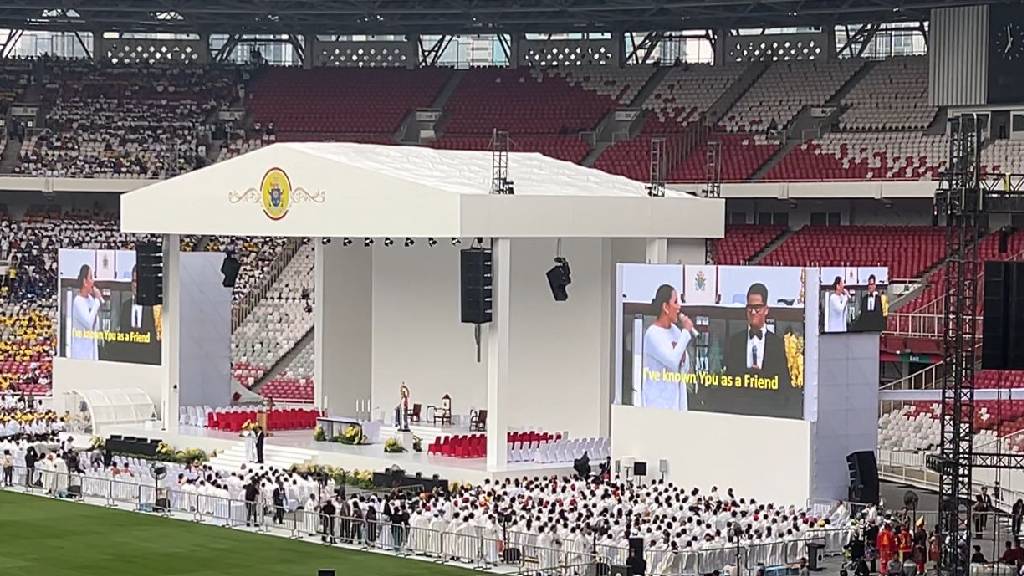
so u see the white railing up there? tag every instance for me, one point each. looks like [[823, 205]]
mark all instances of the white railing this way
[[922, 325], [472, 547], [240, 311]]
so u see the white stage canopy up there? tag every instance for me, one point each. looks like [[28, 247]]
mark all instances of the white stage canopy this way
[[365, 190]]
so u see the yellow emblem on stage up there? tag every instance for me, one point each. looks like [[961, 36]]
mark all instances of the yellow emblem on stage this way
[[276, 193]]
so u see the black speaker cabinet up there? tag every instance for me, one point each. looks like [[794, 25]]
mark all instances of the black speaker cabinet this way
[[863, 477]]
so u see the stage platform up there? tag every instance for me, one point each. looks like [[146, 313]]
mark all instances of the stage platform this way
[[289, 447]]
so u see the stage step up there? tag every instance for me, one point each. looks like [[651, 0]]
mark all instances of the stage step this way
[[282, 457]]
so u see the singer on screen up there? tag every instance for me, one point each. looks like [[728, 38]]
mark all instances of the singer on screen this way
[[757, 350], [666, 361], [85, 310], [835, 314]]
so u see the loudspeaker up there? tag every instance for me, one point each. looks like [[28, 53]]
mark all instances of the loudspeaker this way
[[326, 573], [477, 294], [863, 477], [149, 274], [559, 277], [1003, 343], [639, 468], [230, 268]]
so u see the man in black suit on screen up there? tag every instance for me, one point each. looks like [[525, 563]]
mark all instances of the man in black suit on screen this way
[[871, 317], [757, 358]]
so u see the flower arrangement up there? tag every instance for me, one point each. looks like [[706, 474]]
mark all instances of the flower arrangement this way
[[794, 349], [358, 478], [319, 435], [351, 435], [98, 443], [417, 444], [166, 453], [392, 446]]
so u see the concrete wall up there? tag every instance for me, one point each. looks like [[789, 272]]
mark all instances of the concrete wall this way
[[763, 458], [847, 409]]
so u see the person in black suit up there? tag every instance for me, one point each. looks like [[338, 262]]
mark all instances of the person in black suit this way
[[871, 317], [259, 445], [756, 357]]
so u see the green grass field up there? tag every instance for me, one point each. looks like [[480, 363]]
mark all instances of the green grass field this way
[[44, 537]]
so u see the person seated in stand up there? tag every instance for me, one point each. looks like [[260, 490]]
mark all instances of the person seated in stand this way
[[1012, 554], [978, 557]]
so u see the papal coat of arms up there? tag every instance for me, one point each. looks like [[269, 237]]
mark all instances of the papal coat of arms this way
[[700, 282]]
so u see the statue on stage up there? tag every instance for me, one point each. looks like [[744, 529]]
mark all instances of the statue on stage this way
[[402, 410]]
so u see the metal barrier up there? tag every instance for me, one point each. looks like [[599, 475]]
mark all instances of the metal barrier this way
[[470, 545]]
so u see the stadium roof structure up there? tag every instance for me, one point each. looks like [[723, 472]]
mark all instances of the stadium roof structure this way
[[337, 190], [451, 16]]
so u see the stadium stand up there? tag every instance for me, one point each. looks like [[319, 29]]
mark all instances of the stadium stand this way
[[1003, 156], [277, 323], [786, 88], [742, 154], [295, 383], [855, 156], [893, 95], [743, 241], [620, 84], [906, 250], [306, 104], [685, 94], [125, 121]]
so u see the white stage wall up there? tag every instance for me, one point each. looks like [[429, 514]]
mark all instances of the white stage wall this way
[[205, 369], [558, 380], [764, 458], [418, 337], [343, 289]]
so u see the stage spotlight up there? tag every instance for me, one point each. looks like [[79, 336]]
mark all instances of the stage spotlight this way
[[456, 241], [325, 241], [409, 242], [431, 242], [346, 242], [559, 278], [367, 242], [388, 241]]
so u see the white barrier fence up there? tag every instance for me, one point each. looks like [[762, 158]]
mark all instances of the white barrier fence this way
[[470, 546]]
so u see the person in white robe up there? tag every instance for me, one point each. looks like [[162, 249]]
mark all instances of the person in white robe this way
[[665, 357], [85, 309], [438, 539], [310, 524], [489, 531], [835, 315], [250, 446]]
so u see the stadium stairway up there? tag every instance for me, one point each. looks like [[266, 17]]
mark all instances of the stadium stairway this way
[[734, 92], [283, 457], [771, 246], [284, 361], [652, 84], [10, 156], [804, 123], [411, 130]]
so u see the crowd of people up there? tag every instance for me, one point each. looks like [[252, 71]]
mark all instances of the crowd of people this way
[[25, 419], [553, 521], [126, 121]]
